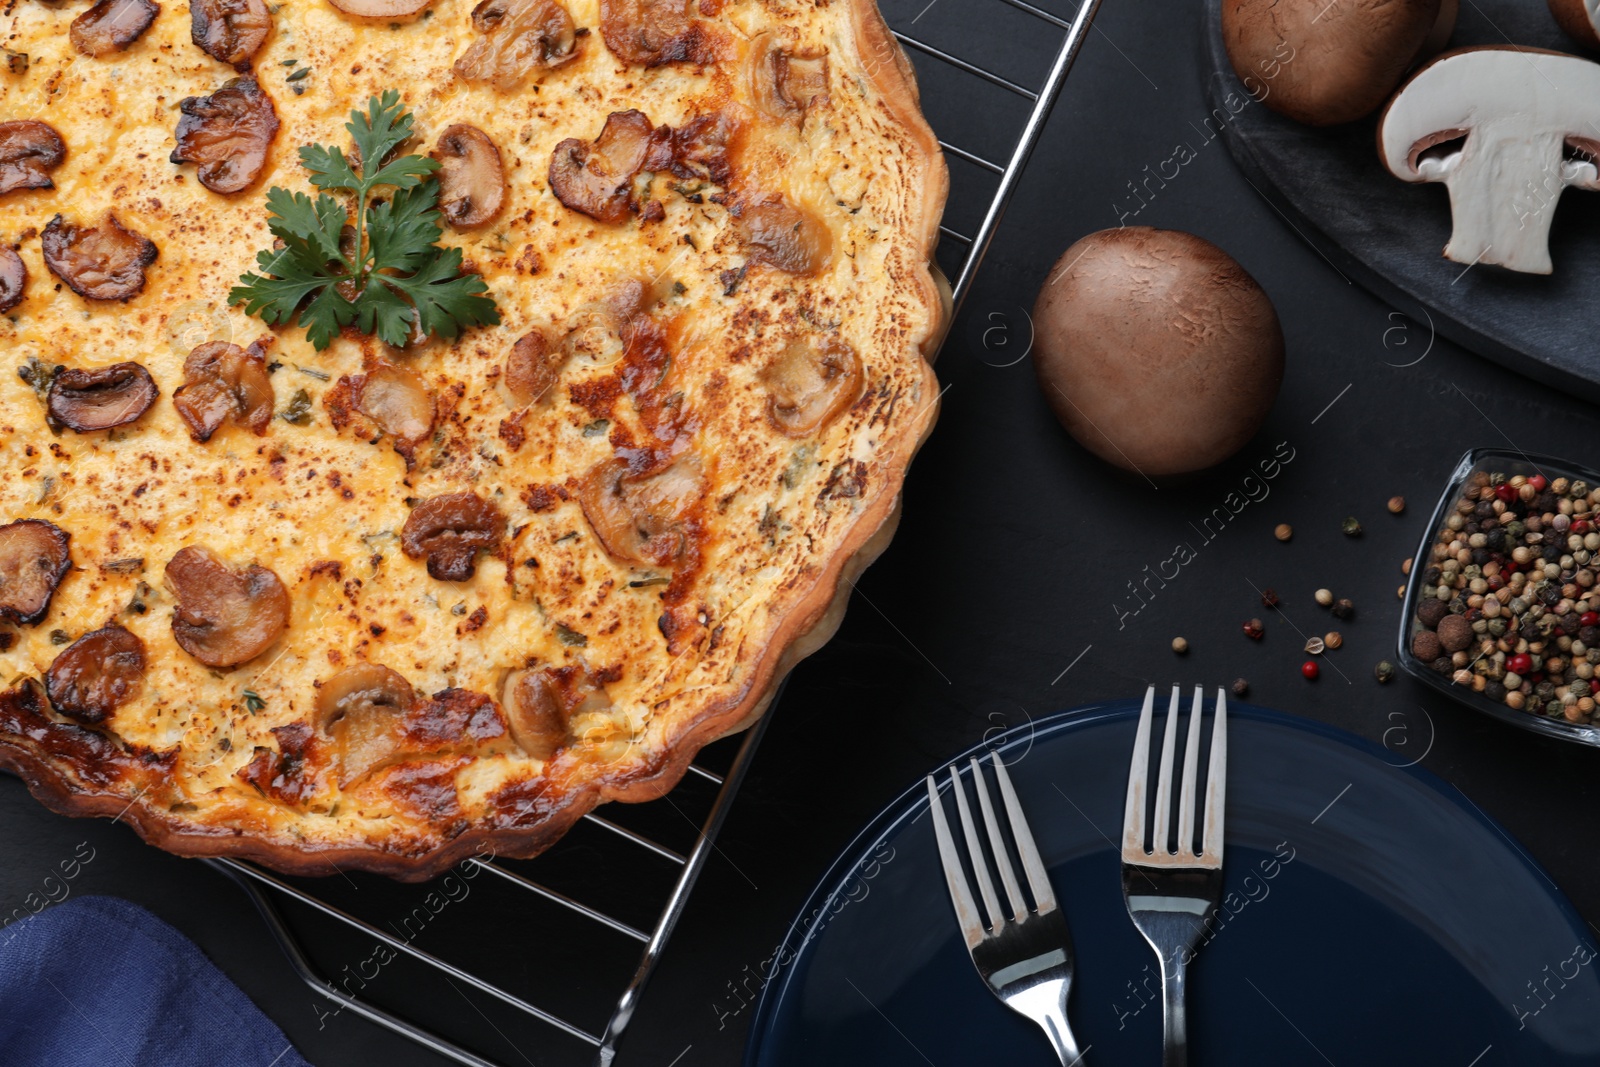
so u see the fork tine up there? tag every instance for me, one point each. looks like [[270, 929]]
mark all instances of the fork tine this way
[[980, 869], [997, 844], [1191, 765], [1169, 741], [1138, 782], [1044, 897], [954, 879], [1217, 782]]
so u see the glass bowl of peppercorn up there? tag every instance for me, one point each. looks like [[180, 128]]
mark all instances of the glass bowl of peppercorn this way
[[1502, 608]]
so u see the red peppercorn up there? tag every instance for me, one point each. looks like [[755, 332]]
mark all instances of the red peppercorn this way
[[1505, 493], [1521, 663], [1589, 618], [1581, 526], [1309, 670], [1594, 685], [1253, 629], [1496, 584], [1538, 482]]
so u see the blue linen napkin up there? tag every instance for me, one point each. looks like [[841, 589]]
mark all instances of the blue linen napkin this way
[[101, 982]]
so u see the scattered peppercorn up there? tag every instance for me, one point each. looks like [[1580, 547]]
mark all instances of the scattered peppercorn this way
[[1240, 687], [1283, 532], [1324, 597], [1351, 527], [1180, 646], [1400, 592], [1269, 599], [1333, 639], [1397, 504], [1254, 629], [1314, 646], [1405, 568], [1343, 608], [1384, 672], [1309, 670]]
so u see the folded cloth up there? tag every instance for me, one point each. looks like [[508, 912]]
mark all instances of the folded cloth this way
[[101, 982]]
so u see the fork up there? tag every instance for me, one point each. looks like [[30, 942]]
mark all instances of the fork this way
[[1024, 956], [1171, 895]]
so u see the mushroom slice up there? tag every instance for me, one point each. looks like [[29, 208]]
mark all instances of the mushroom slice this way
[[33, 560], [13, 279], [100, 399], [449, 531], [641, 519], [1580, 19], [784, 236], [700, 149], [542, 703], [810, 383], [104, 262], [228, 134], [596, 178], [786, 84], [362, 708], [96, 675], [230, 31], [223, 381], [532, 368], [649, 33], [112, 25], [472, 183], [29, 151], [225, 617], [519, 38], [1495, 125], [393, 10], [397, 400]]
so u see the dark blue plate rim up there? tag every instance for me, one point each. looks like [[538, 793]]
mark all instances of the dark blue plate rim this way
[[907, 803]]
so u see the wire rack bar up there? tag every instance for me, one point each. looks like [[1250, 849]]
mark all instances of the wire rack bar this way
[[956, 234], [565, 901], [639, 839], [961, 64], [972, 157]]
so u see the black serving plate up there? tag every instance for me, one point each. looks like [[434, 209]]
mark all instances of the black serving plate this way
[[1510, 463], [1333, 190]]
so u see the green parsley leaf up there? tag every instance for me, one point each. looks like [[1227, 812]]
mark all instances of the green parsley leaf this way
[[379, 265]]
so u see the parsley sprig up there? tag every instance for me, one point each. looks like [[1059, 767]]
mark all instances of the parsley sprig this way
[[393, 274]]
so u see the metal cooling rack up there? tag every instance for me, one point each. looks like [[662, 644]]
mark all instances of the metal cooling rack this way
[[344, 916]]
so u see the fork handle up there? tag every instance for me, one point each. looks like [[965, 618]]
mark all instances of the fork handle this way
[[1175, 1023]]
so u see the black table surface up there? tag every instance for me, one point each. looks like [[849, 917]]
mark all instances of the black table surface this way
[[1006, 593]]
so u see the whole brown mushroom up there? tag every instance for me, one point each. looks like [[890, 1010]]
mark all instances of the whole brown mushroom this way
[[1322, 63], [1156, 350]]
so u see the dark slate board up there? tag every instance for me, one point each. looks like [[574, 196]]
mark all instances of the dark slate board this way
[[1388, 234]]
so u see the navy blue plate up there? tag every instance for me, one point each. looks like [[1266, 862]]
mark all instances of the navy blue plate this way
[[1373, 915]]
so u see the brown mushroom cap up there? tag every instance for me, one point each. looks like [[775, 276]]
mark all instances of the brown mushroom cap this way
[[13, 279], [230, 31], [519, 38], [532, 368], [785, 84], [228, 134], [225, 617], [785, 236], [811, 382], [393, 10], [29, 151], [472, 183], [104, 262], [96, 675], [1574, 18], [649, 33], [541, 704], [33, 560], [223, 381], [397, 400], [449, 531], [596, 178], [101, 399], [112, 25], [361, 708], [1156, 349], [640, 519], [1325, 64]]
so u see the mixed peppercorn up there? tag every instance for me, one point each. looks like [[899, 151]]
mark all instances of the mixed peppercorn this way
[[1508, 603]]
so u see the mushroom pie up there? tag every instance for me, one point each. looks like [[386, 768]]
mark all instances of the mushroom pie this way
[[424, 422]]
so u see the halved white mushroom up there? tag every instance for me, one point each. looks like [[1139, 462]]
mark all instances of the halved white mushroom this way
[[1580, 18], [1507, 130], [393, 10], [472, 182]]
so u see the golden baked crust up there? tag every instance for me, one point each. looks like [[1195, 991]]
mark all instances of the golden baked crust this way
[[683, 637]]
